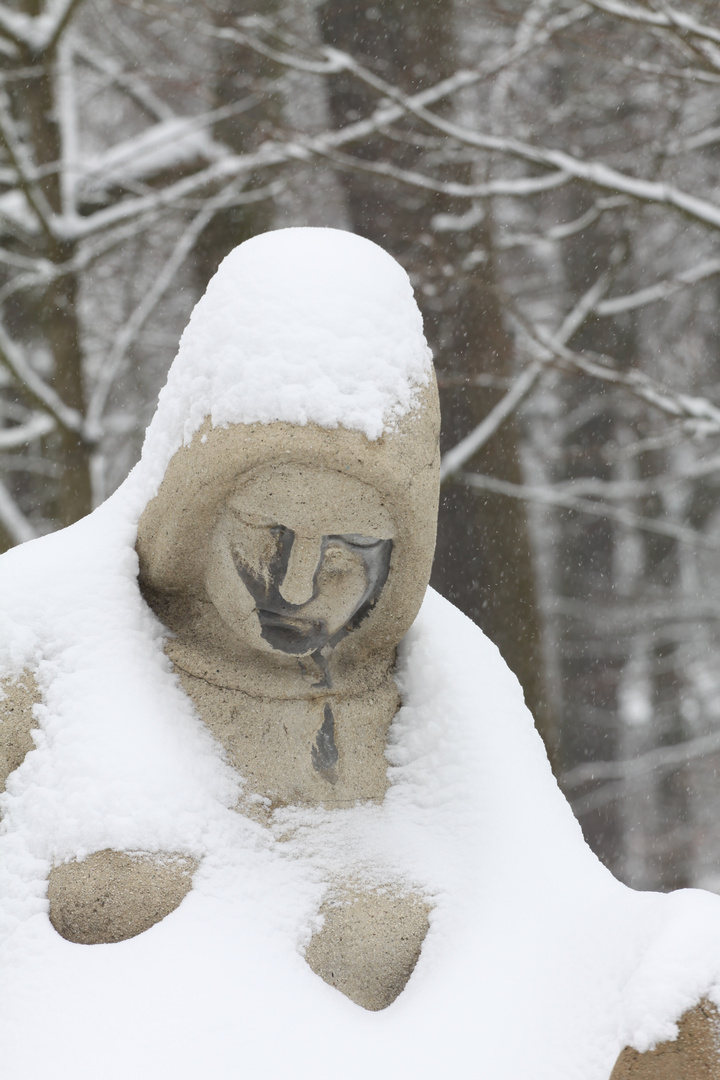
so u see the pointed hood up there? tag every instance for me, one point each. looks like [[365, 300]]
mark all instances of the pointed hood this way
[[307, 347]]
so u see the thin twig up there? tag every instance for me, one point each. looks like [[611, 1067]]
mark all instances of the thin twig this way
[[547, 496], [24, 169], [162, 282], [453, 461], [695, 410], [22, 434], [12, 518], [36, 389]]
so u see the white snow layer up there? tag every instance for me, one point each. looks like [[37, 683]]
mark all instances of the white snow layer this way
[[538, 964], [301, 325]]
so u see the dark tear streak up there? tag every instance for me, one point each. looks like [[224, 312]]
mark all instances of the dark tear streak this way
[[324, 752]]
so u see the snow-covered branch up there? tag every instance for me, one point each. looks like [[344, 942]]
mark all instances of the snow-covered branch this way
[[43, 395], [596, 173], [37, 35], [667, 17], [24, 169], [52, 24], [617, 773], [589, 301], [564, 164], [505, 239], [661, 290], [269, 155], [664, 757], [330, 60], [21, 434], [14, 26], [130, 83], [548, 496], [13, 521], [516, 187], [622, 490], [667, 71], [453, 461], [699, 412], [163, 280]]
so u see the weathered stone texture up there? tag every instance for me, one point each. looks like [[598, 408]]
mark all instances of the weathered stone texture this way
[[694, 1055], [113, 895], [17, 698], [369, 944], [310, 751]]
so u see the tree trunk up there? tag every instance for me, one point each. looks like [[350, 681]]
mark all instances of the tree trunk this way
[[483, 560], [54, 310]]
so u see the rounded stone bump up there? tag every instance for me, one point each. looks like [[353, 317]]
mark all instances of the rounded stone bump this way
[[369, 944], [111, 896]]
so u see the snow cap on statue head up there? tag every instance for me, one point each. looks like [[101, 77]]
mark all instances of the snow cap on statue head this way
[[307, 347], [299, 325]]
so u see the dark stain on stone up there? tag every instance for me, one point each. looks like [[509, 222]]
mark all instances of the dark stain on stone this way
[[289, 627], [324, 752]]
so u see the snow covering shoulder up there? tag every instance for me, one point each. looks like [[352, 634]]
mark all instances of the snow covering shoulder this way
[[298, 325]]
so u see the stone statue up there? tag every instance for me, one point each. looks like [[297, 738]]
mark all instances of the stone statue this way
[[229, 735], [307, 563]]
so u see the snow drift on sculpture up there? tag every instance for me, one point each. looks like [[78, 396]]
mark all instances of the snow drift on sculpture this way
[[301, 325]]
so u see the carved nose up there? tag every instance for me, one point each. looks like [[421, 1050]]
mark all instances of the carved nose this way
[[297, 585]]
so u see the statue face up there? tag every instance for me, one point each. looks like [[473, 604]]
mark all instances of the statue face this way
[[299, 557]]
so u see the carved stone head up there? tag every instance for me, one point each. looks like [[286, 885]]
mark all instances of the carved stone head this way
[[296, 553]]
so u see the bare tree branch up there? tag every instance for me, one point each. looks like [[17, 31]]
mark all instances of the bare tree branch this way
[[547, 496], [453, 461], [661, 290], [13, 520], [695, 410], [668, 17], [21, 434], [24, 169], [36, 389]]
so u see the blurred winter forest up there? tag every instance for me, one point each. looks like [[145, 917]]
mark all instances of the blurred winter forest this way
[[547, 171]]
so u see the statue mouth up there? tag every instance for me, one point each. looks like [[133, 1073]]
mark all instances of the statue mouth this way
[[291, 634]]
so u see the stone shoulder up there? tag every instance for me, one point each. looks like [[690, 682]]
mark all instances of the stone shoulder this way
[[694, 1055], [17, 698]]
